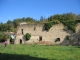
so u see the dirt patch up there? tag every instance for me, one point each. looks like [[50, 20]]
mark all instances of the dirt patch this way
[[46, 43]]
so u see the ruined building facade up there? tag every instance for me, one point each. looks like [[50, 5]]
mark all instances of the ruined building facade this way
[[38, 33]]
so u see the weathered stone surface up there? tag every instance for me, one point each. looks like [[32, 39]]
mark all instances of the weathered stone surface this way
[[37, 31]]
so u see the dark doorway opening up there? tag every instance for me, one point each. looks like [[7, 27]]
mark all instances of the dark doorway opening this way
[[20, 41], [40, 38], [57, 40], [22, 31], [11, 41]]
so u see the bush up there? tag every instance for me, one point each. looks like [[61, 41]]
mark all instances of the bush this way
[[27, 36], [71, 24], [67, 37], [3, 36], [48, 25], [56, 21]]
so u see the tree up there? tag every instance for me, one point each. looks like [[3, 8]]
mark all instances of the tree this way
[[3, 36], [27, 36], [50, 18], [9, 22], [16, 22], [29, 20], [41, 18], [23, 19], [78, 16], [71, 16]]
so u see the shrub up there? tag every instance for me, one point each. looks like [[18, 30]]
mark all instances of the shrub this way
[[56, 21], [65, 29], [3, 36], [71, 24], [48, 25], [67, 37], [27, 36]]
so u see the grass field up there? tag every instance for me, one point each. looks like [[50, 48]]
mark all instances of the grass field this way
[[39, 52]]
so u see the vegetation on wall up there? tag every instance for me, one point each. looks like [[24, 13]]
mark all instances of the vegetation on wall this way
[[67, 37], [48, 25], [71, 24], [27, 36]]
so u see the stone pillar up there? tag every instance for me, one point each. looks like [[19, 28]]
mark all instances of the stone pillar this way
[[8, 41], [16, 42]]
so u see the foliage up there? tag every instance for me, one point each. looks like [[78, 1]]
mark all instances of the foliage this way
[[3, 36], [56, 21], [67, 37], [64, 17], [48, 25], [71, 24], [27, 36], [65, 28]]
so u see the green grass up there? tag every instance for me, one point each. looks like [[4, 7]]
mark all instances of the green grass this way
[[39, 52]]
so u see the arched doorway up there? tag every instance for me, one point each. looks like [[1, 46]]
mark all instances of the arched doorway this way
[[20, 41], [57, 40]]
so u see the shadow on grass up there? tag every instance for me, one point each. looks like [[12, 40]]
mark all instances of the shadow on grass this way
[[77, 46], [18, 57]]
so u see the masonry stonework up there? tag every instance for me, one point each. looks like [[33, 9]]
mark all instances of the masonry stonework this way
[[39, 34]]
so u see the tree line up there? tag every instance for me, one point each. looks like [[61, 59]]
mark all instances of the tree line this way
[[11, 25]]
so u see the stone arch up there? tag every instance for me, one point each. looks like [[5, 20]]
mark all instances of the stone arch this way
[[57, 40]]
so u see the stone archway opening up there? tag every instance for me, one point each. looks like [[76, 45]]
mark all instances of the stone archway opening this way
[[57, 40]]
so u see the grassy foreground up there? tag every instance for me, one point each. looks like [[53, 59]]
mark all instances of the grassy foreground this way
[[39, 52]]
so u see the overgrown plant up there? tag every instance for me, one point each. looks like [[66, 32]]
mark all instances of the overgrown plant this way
[[48, 25], [3, 36], [67, 37], [70, 24], [27, 36]]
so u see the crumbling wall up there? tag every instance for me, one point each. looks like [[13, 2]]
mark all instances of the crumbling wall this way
[[37, 30]]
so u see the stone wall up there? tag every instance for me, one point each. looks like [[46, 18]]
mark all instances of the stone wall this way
[[37, 31]]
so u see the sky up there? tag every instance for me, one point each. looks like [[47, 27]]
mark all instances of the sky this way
[[12, 9]]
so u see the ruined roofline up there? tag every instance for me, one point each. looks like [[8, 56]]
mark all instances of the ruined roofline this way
[[40, 24], [36, 24]]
